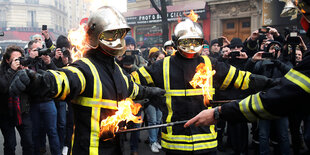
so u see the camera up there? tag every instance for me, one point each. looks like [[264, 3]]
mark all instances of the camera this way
[[65, 52], [267, 55], [44, 27], [24, 61], [43, 51], [234, 54], [129, 56], [263, 30]]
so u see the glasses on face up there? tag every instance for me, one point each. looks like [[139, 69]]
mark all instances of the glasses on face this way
[[205, 46], [190, 42], [113, 35]]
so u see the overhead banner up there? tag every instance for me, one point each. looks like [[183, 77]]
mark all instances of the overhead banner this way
[[171, 17]]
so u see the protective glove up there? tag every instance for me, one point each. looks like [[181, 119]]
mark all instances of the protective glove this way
[[154, 91], [20, 82]]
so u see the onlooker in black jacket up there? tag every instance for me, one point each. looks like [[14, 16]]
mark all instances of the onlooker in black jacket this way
[[14, 110]]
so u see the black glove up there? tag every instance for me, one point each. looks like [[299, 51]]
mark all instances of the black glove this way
[[20, 82], [154, 91]]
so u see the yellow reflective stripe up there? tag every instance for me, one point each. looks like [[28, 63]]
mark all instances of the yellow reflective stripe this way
[[166, 70], [187, 92], [135, 91], [95, 102], [239, 79], [124, 76], [97, 82], [58, 79], [259, 109], [94, 133], [52, 47], [135, 76], [299, 79], [188, 139], [66, 89], [189, 147], [230, 75], [80, 75], [146, 75], [244, 108], [246, 81]]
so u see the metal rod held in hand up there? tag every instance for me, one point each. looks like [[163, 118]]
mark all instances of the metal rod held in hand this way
[[152, 127]]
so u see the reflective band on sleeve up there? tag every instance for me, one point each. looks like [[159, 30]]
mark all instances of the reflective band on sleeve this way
[[135, 91], [246, 81], [93, 102], [299, 79], [230, 75], [58, 79], [188, 92], [135, 76], [244, 108], [146, 75], [80, 75], [259, 109], [66, 89]]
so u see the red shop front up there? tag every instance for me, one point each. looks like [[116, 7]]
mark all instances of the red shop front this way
[[146, 24]]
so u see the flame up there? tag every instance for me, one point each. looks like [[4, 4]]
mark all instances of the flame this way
[[203, 79], [77, 38], [193, 16], [127, 110]]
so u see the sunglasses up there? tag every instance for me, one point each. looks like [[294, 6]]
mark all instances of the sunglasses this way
[[205, 46], [190, 42], [113, 35]]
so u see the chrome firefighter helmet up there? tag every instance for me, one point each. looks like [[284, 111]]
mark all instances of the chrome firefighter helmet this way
[[171, 50], [107, 28], [189, 37]]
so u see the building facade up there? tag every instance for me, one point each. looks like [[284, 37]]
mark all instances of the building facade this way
[[230, 18], [20, 19]]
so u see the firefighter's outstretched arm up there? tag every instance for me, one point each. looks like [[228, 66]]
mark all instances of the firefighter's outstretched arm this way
[[36, 84], [61, 84]]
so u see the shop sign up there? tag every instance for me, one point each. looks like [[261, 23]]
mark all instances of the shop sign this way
[[156, 18]]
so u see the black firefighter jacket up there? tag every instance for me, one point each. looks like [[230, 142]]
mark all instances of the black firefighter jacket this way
[[287, 97], [183, 102], [95, 85]]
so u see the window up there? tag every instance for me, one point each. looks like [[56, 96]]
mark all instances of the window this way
[[157, 2], [246, 24], [3, 18], [32, 1], [230, 25], [131, 1], [32, 19]]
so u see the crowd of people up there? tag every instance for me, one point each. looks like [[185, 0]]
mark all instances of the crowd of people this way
[[242, 68]]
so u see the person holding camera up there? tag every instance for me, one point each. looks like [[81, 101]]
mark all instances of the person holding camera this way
[[43, 110], [14, 109]]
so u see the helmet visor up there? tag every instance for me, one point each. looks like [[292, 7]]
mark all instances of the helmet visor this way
[[190, 42], [113, 35]]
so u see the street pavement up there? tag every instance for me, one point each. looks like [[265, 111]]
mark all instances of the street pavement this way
[[144, 148]]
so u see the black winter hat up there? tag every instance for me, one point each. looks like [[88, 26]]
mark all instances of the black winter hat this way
[[235, 42], [214, 41], [62, 41]]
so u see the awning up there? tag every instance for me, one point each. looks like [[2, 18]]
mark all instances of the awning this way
[[23, 36]]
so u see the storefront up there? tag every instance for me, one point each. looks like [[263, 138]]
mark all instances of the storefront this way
[[146, 24]]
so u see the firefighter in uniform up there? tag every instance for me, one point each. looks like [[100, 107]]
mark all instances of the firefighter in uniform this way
[[182, 101], [95, 84], [287, 97]]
